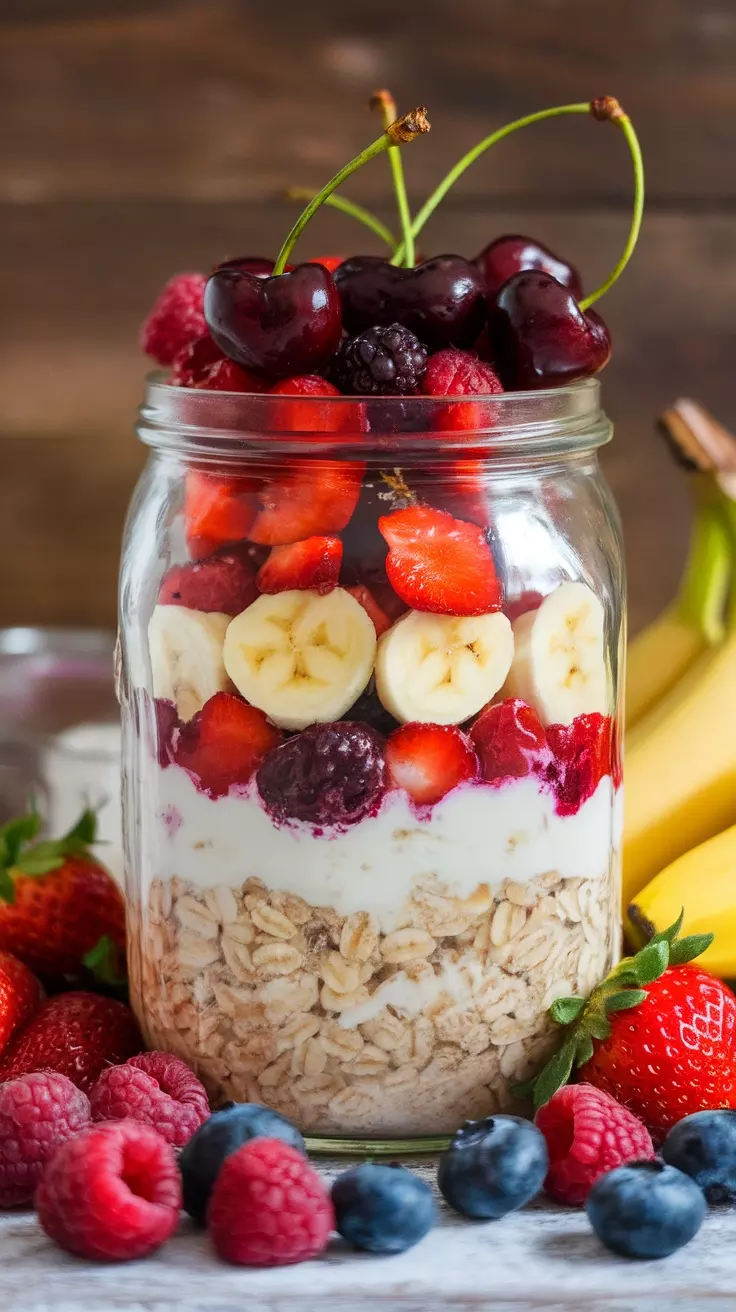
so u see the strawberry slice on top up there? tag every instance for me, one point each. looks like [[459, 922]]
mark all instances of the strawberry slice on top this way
[[510, 740], [440, 564], [306, 499], [429, 760], [312, 564], [225, 743], [219, 510], [224, 582]]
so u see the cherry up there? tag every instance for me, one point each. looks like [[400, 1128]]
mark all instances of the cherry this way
[[258, 265], [539, 335], [512, 254], [441, 301]]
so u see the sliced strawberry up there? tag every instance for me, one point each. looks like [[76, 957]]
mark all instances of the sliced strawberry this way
[[438, 563], [510, 741], [225, 743], [583, 754], [220, 510], [224, 582], [381, 620], [308, 416], [227, 376], [428, 760], [307, 499], [521, 605], [313, 563]]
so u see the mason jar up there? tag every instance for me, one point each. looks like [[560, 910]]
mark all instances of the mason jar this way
[[371, 657]]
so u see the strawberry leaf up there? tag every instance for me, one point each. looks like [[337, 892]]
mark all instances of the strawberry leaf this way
[[597, 1026], [583, 1049], [83, 834], [669, 935], [566, 1010], [556, 1073], [651, 962], [686, 949], [40, 859], [104, 961], [15, 834], [627, 998], [7, 887]]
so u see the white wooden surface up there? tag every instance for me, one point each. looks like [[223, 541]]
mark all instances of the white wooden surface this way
[[544, 1258]]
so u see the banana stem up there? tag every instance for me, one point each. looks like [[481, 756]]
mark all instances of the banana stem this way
[[703, 594], [385, 103], [364, 216], [729, 512]]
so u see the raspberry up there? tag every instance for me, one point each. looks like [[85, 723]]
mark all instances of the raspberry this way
[[459, 373], [380, 362], [176, 319], [269, 1207], [227, 376], [194, 362], [37, 1113], [329, 774], [155, 1088], [112, 1193], [588, 1133]]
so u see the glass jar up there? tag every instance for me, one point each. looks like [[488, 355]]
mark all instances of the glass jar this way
[[359, 924]]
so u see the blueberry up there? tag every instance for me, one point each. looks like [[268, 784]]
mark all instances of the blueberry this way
[[646, 1209], [493, 1166], [382, 1209], [201, 1158], [704, 1146]]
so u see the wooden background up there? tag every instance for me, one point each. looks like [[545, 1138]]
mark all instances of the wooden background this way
[[137, 139]]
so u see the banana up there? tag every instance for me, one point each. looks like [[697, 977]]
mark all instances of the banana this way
[[702, 881], [186, 656], [301, 657], [442, 668], [559, 663]]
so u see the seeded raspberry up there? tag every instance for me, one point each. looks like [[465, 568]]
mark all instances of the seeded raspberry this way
[[588, 1133], [329, 774], [227, 376], [37, 1113], [176, 319], [459, 373], [380, 362], [194, 362], [269, 1207], [155, 1088]]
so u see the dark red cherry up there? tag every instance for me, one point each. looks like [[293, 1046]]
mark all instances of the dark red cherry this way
[[539, 335], [511, 254], [255, 264], [278, 326], [441, 301]]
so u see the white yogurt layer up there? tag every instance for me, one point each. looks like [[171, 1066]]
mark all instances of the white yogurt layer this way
[[476, 835]]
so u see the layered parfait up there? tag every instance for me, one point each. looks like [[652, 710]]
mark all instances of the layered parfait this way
[[379, 793]]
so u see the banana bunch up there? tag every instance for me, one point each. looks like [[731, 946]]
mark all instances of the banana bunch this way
[[681, 722]]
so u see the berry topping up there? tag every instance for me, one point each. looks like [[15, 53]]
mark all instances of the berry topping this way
[[20, 996], [428, 760], [269, 1207], [76, 1034], [224, 743], [540, 337], [703, 1145], [329, 262], [226, 376], [217, 1138], [166, 726], [382, 1209], [582, 756], [309, 417], [313, 563], [510, 742], [459, 373], [511, 254], [195, 361], [37, 1113], [371, 606], [156, 1088], [220, 510], [177, 318], [440, 564], [386, 361], [308, 499], [441, 300], [221, 583], [588, 1133], [645, 1210], [113, 1193], [330, 774], [493, 1167]]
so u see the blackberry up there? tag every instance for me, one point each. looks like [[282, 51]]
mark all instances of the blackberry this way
[[380, 362], [329, 774]]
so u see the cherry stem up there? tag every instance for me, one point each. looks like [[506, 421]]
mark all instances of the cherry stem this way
[[608, 108], [385, 103], [346, 206], [405, 129]]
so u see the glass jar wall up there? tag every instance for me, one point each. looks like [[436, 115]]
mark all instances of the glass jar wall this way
[[370, 667]]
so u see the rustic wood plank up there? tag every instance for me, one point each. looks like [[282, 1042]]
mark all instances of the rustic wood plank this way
[[223, 99]]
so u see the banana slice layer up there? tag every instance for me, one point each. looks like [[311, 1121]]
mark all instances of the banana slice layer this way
[[186, 656], [559, 664]]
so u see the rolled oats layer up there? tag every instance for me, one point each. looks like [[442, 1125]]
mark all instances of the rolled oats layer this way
[[348, 1030]]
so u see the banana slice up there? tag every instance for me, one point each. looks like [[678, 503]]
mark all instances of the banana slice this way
[[301, 657], [559, 664], [442, 668], [186, 656]]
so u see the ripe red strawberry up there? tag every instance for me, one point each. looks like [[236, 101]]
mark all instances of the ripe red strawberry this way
[[439, 563], [306, 500], [367, 599], [224, 582], [510, 741], [225, 743], [673, 1054], [194, 361], [57, 902], [428, 760], [227, 376], [219, 510], [176, 319], [313, 563], [76, 1034], [583, 755], [516, 606], [21, 996]]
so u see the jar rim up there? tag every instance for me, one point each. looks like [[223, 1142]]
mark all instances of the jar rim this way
[[236, 425]]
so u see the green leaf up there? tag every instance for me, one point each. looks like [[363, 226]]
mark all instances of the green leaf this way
[[628, 978], [597, 1026], [669, 935], [566, 1010], [41, 859], [583, 1050], [15, 834], [83, 834], [104, 960], [625, 999], [7, 887], [686, 949], [555, 1074], [522, 1088], [651, 962]]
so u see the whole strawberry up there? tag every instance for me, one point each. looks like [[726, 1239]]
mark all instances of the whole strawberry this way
[[57, 903], [20, 996], [76, 1034]]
